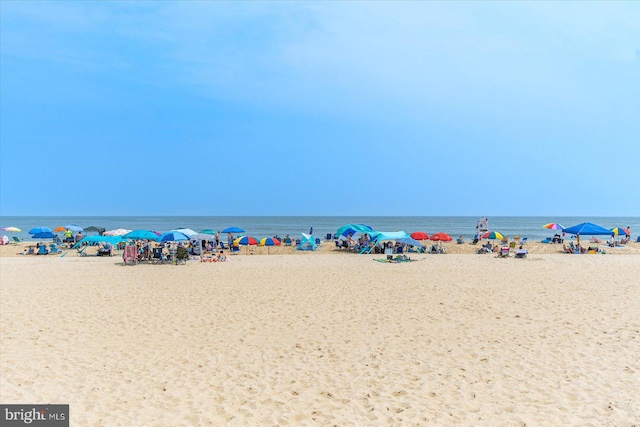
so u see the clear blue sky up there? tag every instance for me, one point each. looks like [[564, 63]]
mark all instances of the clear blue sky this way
[[309, 108]]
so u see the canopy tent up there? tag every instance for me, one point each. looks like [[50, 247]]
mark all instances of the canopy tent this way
[[410, 242], [141, 235], [587, 229], [112, 240], [351, 229], [396, 236], [307, 243], [381, 236], [94, 229]]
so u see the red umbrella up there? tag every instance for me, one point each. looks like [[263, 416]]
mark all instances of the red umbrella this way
[[419, 235], [443, 237]]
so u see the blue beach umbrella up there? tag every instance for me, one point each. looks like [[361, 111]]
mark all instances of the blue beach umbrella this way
[[40, 230], [173, 236], [43, 235], [233, 230], [74, 228]]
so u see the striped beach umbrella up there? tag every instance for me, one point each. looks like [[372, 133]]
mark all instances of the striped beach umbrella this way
[[12, 229], [553, 226], [245, 240], [619, 230], [269, 241], [494, 235], [116, 232]]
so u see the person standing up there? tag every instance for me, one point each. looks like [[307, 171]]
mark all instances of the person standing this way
[[216, 240]]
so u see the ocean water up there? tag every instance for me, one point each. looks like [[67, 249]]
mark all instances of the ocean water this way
[[263, 226]]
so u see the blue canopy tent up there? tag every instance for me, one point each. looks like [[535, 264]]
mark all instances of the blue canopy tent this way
[[384, 236], [141, 235], [351, 229], [112, 240], [307, 243], [587, 229]]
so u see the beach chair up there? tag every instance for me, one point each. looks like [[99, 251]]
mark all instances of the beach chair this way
[[53, 248], [504, 252], [182, 256], [521, 253], [158, 256], [318, 241], [435, 249], [130, 255], [234, 249], [512, 245], [328, 236], [524, 240], [15, 240]]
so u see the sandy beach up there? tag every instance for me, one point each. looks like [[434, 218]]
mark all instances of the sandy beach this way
[[326, 339]]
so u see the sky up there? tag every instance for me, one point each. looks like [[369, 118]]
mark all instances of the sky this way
[[319, 108]]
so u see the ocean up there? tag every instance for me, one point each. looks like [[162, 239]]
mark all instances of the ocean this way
[[263, 226]]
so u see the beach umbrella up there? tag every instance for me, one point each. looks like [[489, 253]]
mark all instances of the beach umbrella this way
[[233, 230], [553, 226], [189, 232], [43, 235], [74, 228], [60, 229], [619, 230], [117, 232], [494, 235], [419, 235], [40, 230], [172, 236], [207, 231], [245, 240], [12, 229], [443, 237], [269, 241], [141, 235]]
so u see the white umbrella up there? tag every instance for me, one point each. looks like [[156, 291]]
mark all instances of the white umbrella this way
[[117, 232]]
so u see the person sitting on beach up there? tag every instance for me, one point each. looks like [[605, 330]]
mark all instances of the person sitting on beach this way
[[460, 240], [222, 257], [612, 241]]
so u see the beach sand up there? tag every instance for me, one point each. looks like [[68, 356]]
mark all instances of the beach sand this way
[[326, 339]]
